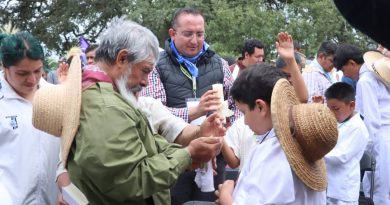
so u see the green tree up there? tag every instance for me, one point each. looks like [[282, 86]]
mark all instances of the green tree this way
[[59, 24]]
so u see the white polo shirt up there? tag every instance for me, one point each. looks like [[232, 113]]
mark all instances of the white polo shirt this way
[[28, 157]]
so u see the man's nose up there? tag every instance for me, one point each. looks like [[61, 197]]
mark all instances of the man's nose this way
[[144, 82]]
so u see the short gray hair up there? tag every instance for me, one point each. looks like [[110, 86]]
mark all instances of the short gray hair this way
[[122, 33]]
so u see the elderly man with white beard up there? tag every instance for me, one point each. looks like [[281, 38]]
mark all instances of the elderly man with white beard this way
[[115, 157]]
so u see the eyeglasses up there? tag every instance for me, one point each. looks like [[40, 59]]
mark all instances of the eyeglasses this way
[[190, 34]]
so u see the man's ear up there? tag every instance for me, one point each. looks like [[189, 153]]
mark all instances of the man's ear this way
[[247, 55], [171, 32], [121, 63], [352, 105], [351, 62], [122, 59]]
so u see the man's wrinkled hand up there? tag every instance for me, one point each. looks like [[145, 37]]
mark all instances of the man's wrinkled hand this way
[[204, 148]]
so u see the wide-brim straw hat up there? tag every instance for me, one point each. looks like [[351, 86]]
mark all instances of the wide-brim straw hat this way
[[306, 132], [56, 108], [379, 64]]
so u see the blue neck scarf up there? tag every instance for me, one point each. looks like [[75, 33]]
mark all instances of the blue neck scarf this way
[[190, 63]]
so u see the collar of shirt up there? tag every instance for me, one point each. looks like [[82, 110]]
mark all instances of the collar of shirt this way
[[261, 138], [239, 63], [363, 69]]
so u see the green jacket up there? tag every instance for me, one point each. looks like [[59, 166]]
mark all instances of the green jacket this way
[[115, 158]]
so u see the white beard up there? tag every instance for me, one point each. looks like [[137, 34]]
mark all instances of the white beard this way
[[121, 84]]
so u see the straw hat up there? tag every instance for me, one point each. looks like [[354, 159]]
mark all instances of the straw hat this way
[[379, 64], [306, 133], [56, 108]]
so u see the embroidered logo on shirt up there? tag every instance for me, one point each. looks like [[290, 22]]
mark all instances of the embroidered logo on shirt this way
[[13, 122]]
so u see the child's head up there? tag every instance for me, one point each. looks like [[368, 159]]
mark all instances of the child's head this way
[[340, 98], [252, 92]]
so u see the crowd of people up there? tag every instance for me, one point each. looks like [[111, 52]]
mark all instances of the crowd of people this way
[[134, 124]]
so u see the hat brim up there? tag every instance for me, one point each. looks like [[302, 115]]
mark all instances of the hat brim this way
[[71, 120], [312, 174], [56, 108], [370, 58]]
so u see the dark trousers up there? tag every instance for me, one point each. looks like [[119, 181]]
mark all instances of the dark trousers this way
[[186, 189]]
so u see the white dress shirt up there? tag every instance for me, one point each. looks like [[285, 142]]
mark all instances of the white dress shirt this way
[[373, 102], [28, 156], [268, 179], [343, 162], [241, 139]]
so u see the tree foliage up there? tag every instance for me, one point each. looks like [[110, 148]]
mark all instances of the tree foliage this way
[[59, 23]]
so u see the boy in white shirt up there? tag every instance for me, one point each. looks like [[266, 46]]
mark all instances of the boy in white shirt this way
[[283, 168], [239, 138], [343, 162]]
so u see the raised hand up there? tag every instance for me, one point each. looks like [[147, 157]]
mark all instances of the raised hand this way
[[285, 46], [62, 72]]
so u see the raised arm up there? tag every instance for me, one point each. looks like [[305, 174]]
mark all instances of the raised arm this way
[[285, 48]]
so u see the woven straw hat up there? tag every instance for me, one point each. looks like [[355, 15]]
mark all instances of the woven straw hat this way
[[379, 64], [306, 133], [56, 108]]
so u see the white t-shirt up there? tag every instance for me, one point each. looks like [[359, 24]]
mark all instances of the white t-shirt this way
[[241, 139], [268, 179]]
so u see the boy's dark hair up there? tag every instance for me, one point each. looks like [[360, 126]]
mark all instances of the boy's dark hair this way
[[256, 82], [327, 48], [347, 52], [250, 45], [341, 91], [91, 48], [186, 10]]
